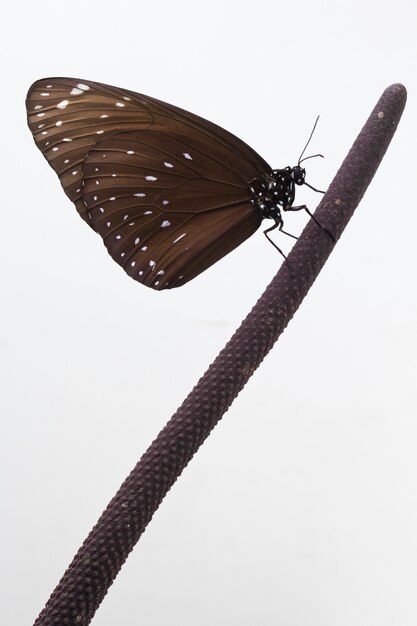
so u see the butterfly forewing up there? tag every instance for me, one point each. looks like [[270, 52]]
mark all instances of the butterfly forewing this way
[[167, 190], [67, 117]]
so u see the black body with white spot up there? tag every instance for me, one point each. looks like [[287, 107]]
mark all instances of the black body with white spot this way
[[277, 192]]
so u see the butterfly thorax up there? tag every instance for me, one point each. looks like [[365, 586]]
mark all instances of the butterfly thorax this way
[[276, 191]]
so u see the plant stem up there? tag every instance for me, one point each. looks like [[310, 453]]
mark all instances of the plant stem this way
[[95, 566]]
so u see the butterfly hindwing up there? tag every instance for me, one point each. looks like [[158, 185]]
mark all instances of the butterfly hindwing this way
[[161, 218]]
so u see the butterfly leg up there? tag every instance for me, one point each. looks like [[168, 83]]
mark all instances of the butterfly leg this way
[[303, 207], [278, 224]]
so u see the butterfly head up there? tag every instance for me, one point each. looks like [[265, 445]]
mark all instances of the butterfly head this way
[[298, 174]]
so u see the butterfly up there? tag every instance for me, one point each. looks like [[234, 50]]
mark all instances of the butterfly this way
[[169, 192]]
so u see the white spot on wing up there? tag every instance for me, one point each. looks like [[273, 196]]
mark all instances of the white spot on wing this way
[[168, 164], [62, 104], [83, 87], [187, 156], [59, 123], [120, 104], [140, 195], [76, 91], [165, 223], [137, 241], [180, 237], [151, 178], [152, 263]]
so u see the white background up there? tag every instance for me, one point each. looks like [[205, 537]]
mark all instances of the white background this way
[[301, 508]]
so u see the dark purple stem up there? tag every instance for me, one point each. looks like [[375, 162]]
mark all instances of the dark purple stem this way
[[97, 563]]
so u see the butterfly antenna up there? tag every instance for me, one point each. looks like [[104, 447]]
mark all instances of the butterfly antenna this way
[[309, 139], [313, 156]]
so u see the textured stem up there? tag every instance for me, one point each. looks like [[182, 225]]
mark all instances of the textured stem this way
[[95, 566]]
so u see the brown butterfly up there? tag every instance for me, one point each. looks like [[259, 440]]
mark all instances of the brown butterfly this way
[[169, 192]]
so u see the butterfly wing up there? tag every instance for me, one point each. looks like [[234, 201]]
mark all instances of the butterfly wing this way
[[166, 209], [73, 120]]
